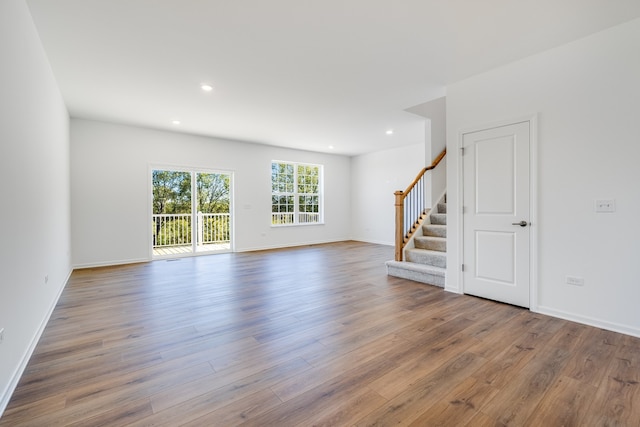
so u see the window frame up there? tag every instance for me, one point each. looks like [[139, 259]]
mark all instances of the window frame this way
[[296, 195]]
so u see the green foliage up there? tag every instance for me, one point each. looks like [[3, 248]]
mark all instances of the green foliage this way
[[308, 178], [282, 178], [213, 192], [282, 204], [308, 204], [216, 229], [171, 192], [172, 232]]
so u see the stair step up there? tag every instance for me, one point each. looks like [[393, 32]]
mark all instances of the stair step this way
[[427, 257], [439, 218], [432, 243], [434, 230], [442, 208], [416, 272]]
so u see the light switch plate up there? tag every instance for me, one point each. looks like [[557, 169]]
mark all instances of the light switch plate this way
[[575, 281]]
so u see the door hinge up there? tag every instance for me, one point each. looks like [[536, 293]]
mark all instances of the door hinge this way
[[462, 150], [462, 267]]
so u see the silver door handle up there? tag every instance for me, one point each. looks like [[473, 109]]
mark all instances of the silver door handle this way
[[521, 223]]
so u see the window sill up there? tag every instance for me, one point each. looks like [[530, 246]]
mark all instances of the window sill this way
[[308, 224]]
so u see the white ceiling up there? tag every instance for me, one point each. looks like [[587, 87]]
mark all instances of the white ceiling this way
[[294, 73]]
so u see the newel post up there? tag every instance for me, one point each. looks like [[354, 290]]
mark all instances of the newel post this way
[[399, 224]]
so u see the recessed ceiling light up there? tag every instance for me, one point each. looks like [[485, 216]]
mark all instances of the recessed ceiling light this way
[[390, 132], [206, 87], [331, 147], [176, 122]]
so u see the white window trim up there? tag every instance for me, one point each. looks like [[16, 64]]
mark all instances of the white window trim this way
[[296, 195]]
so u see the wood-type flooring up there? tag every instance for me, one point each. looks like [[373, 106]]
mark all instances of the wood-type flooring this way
[[312, 336]]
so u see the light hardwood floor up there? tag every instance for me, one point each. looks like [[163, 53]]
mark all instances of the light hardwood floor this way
[[318, 336]]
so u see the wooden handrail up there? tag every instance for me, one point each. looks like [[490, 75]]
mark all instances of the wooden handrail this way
[[401, 232], [435, 163]]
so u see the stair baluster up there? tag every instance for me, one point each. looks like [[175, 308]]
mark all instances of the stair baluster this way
[[410, 207]]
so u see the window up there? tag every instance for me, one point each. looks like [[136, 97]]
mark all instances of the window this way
[[296, 193]]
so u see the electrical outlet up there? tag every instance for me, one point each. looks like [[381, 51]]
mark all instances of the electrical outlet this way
[[605, 205], [575, 281]]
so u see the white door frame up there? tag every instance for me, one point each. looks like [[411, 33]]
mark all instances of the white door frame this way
[[181, 168], [533, 200]]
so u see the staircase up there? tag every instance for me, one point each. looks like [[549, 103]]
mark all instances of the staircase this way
[[426, 261]]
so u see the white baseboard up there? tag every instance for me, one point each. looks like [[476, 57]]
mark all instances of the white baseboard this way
[[453, 290], [375, 242], [294, 245], [598, 323], [110, 263], [5, 397]]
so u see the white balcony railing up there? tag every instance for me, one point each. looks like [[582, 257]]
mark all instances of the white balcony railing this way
[[213, 228], [284, 218], [175, 229]]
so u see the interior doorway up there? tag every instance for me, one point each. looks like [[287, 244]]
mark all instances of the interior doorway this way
[[191, 212]]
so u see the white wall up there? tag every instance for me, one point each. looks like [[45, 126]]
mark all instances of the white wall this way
[[374, 179], [34, 207], [438, 127], [587, 97], [435, 113], [110, 192]]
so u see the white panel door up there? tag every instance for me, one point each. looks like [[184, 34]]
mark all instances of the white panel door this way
[[496, 213]]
